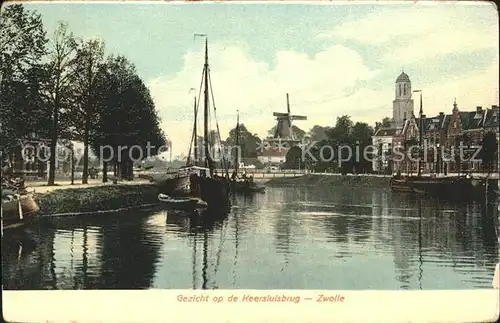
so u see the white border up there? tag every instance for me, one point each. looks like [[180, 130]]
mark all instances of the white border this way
[[164, 306]]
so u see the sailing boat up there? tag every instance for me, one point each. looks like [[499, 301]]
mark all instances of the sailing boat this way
[[202, 182], [244, 185]]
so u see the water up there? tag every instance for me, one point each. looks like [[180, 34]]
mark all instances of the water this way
[[288, 238]]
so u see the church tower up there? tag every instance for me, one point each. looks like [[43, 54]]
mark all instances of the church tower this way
[[402, 106]]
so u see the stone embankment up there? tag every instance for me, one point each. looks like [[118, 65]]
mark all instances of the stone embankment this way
[[375, 181], [94, 198]]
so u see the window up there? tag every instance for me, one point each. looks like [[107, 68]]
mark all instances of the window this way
[[405, 114], [404, 90], [455, 125], [399, 89]]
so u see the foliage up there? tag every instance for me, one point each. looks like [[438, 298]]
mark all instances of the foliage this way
[[318, 133], [488, 152], [248, 142], [22, 45], [385, 123], [293, 159]]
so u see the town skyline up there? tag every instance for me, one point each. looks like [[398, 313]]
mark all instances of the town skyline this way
[[445, 49]]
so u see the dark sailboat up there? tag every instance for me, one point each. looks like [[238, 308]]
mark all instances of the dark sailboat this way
[[211, 188], [197, 178], [245, 185]]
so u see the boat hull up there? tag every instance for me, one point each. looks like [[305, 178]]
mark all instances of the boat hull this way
[[179, 185], [454, 187], [213, 190], [184, 204], [10, 212]]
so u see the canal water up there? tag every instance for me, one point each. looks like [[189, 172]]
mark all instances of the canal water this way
[[288, 238]]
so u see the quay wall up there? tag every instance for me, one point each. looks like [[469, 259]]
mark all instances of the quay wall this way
[[349, 180], [375, 181], [96, 198]]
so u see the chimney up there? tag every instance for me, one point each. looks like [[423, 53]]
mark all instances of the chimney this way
[[423, 116], [479, 109], [494, 107], [441, 114]]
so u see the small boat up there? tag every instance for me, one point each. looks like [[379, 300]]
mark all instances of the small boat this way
[[182, 203], [246, 187], [18, 211], [453, 186]]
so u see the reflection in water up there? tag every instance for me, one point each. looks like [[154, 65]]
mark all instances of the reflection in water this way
[[312, 238]]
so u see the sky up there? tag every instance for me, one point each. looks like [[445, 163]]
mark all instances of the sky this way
[[332, 58]]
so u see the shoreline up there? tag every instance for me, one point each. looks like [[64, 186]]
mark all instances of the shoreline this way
[[372, 181], [94, 198]]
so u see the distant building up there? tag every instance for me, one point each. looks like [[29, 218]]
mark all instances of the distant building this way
[[441, 134], [273, 155], [404, 127]]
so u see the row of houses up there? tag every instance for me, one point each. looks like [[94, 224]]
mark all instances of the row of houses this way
[[441, 135]]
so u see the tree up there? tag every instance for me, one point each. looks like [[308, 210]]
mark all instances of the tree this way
[[386, 123], [57, 87], [342, 130], [361, 136], [488, 154], [126, 118], [293, 159], [318, 133], [85, 71], [248, 142], [22, 45]]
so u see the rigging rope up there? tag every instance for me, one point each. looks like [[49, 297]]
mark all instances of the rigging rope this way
[[195, 135], [224, 165]]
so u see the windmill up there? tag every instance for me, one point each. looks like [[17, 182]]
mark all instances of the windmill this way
[[284, 124]]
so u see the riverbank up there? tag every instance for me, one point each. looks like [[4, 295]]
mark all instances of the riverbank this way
[[95, 198], [375, 181]]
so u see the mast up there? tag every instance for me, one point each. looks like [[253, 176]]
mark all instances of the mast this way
[[420, 135], [205, 113], [236, 161], [195, 133]]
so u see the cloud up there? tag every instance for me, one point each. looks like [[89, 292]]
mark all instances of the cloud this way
[[409, 34], [331, 83], [320, 86]]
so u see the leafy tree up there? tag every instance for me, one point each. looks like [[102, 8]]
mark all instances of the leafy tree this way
[[57, 87], [385, 123], [248, 142], [341, 132], [361, 136], [488, 154], [86, 93], [126, 117], [318, 133], [22, 45], [293, 159]]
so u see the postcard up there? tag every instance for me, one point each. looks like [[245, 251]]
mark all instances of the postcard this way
[[250, 161]]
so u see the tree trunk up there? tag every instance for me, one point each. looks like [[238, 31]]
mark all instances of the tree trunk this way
[[72, 165], [85, 175], [53, 144], [104, 171]]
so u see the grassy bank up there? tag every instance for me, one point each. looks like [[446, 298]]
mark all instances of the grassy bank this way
[[332, 180], [90, 199]]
